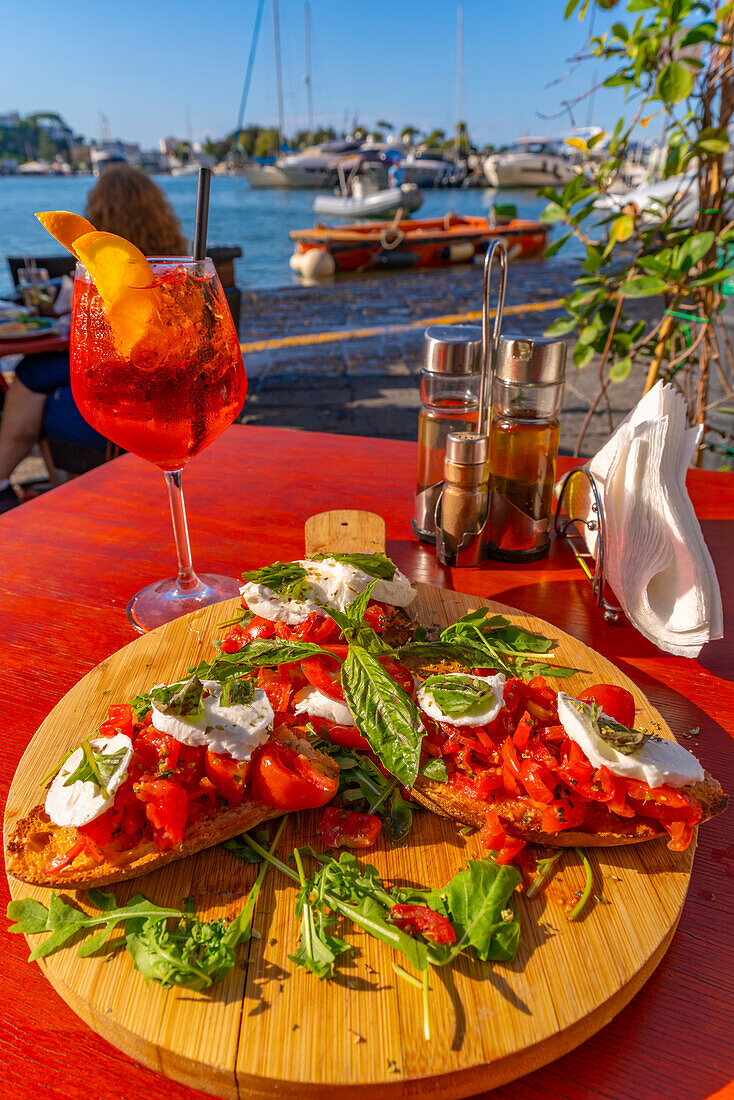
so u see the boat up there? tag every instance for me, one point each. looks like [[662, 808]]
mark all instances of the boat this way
[[427, 242], [364, 191], [531, 162]]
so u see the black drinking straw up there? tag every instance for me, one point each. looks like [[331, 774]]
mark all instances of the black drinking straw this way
[[202, 213]]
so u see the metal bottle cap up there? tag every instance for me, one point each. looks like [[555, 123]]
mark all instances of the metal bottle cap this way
[[466, 448], [453, 349], [540, 361]]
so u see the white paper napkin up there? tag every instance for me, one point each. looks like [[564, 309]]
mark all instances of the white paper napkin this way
[[656, 559]]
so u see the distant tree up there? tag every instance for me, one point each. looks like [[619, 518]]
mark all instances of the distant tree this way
[[267, 142], [381, 124], [410, 133], [376, 135], [183, 151], [435, 139], [46, 148], [359, 133], [462, 140]]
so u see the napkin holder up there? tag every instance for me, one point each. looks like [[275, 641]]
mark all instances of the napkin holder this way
[[579, 496]]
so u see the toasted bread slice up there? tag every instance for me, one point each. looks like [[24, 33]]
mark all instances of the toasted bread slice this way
[[36, 840], [524, 819]]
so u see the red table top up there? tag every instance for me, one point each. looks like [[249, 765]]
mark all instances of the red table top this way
[[73, 558], [34, 345]]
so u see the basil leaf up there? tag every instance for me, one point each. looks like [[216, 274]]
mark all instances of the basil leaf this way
[[459, 695], [141, 705], [259, 653], [434, 652], [613, 733], [281, 576], [184, 700], [374, 565], [435, 768], [352, 623], [385, 714], [237, 692], [96, 767]]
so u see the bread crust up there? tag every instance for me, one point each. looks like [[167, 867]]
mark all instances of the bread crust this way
[[524, 819], [35, 841]]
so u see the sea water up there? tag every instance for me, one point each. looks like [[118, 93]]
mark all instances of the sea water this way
[[257, 221]]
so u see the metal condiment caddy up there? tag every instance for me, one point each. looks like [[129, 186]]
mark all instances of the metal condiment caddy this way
[[462, 505], [579, 489]]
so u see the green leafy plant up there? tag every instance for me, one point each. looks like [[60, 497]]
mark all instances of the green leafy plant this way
[[673, 60]]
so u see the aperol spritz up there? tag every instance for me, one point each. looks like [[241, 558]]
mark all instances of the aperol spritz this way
[[160, 373]]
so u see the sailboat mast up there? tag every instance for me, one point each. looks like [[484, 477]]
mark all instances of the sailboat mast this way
[[309, 95], [278, 72], [248, 76], [459, 68]]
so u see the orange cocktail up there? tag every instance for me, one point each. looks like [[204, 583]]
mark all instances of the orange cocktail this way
[[179, 384]]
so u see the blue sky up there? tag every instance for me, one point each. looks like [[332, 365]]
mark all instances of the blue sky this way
[[143, 62]]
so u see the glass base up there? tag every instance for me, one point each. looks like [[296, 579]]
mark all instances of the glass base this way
[[163, 601]]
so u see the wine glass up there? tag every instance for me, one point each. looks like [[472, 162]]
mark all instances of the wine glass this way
[[161, 375]]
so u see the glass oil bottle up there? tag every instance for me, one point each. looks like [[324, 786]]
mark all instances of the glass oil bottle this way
[[527, 390]]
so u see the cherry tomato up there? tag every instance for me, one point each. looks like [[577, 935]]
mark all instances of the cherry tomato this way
[[318, 672], [166, 807], [419, 918], [348, 829], [289, 780], [616, 702], [348, 737], [227, 775]]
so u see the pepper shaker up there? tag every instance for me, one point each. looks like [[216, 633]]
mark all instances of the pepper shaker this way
[[462, 509]]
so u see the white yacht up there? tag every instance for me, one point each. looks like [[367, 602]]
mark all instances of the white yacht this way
[[313, 169], [531, 162], [104, 153]]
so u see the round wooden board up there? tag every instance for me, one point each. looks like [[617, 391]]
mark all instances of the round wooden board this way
[[272, 1029]]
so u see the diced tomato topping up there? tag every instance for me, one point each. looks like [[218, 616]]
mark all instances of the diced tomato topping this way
[[227, 775], [348, 737], [153, 752], [323, 674], [377, 617], [120, 719], [166, 807], [398, 672], [276, 686], [58, 863], [348, 829], [419, 918], [287, 779]]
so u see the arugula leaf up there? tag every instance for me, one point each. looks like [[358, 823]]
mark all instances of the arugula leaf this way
[[95, 767], [527, 670], [237, 692], [435, 768], [399, 821], [240, 849], [29, 915], [283, 577], [318, 950], [142, 706], [182, 699], [385, 714], [619, 737], [458, 696], [374, 565]]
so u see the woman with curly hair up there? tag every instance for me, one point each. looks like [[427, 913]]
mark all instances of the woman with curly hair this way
[[40, 402]]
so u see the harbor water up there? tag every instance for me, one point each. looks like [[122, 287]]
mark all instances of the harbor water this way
[[257, 221]]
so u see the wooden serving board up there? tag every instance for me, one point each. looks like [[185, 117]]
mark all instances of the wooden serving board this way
[[270, 1029]]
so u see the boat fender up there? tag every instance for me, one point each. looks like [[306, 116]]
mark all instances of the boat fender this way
[[459, 252], [402, 258], [317, 264], [295, 261]]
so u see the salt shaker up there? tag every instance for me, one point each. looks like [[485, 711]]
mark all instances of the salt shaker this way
[[527, 390], [450, 381], [462, 509]]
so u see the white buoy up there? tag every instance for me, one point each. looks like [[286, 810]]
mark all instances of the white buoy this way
[[316, 264]]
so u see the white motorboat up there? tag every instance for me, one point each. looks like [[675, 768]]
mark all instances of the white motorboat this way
[[650, 199], [312, 169], [531, 162], [376, 204], [365, 191], [429, 169]]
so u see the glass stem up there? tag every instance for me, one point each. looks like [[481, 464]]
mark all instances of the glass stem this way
[[187, 578]]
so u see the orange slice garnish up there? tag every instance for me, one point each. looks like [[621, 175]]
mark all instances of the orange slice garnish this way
[[65, 227], [125, 282]]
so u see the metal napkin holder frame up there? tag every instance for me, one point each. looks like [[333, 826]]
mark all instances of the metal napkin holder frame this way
[[568, 527]]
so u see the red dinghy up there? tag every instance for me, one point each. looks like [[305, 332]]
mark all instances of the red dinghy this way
[[428, 242]]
